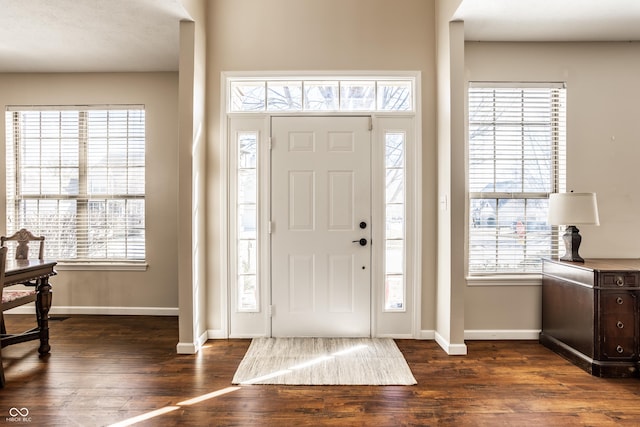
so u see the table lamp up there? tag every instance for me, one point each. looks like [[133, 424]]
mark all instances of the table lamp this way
[[573, 209]]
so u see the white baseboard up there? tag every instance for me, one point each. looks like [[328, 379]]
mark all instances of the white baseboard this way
[[426, 335], [502, 334], [451, 349], [242, 336], [202, 339], [488, 334], [216, 334], [119, 311], [396, 336], [186, 348], [192, 347]]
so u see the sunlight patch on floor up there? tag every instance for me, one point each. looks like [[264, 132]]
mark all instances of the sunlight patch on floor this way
[[217, 393], [144, 417], [303, 365], [167, 409], [208, 396]]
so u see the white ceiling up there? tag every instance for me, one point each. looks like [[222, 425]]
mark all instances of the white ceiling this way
[[143, 35], [89, 35], [550, 20]]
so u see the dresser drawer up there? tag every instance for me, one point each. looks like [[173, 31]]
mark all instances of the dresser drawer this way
[[617, 302], [619, 280], [620, 348], [618, 325]]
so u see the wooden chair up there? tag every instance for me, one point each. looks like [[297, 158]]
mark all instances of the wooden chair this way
[[12, 298], [22, 238]]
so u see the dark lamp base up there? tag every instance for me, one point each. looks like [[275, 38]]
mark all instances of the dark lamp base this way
[[572, 240]]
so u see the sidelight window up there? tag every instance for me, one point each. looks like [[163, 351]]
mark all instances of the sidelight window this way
[[394, 296], [247, 220]]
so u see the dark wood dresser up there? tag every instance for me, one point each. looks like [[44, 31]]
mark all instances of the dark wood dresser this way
[[590, 314]]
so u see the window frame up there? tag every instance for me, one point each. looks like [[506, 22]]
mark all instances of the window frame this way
[[13, 196], [248, 324], [557, 181]]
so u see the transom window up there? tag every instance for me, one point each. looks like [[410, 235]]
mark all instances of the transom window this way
[[320, 95], [77, 176], [516, 157]]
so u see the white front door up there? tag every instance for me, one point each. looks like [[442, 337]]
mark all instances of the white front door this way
[[321, 226]]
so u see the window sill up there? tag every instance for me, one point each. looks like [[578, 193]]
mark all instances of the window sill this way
[[506, 280], [101, 266]]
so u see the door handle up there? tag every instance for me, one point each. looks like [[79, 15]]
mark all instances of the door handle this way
[[362, 242]]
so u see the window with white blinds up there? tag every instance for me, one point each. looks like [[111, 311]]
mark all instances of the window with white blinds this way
[[516, 157], [77, 176]]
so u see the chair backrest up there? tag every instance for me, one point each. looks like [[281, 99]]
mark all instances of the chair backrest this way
[[3, 266], [23, 237]]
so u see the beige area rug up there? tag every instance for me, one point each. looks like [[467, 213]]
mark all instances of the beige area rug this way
[[324, 361]]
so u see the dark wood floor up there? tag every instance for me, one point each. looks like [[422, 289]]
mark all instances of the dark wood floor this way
[[106, 369]]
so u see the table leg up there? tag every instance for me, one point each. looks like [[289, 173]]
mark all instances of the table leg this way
[[43, 304], [2, 381]]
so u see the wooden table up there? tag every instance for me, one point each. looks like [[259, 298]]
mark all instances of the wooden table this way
[[38, 271]]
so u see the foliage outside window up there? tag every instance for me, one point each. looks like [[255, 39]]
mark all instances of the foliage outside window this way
[[516, 157], [77, 176]]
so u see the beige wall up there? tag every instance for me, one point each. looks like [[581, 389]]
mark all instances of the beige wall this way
[[603, 153], [316, 35], [107, 291]]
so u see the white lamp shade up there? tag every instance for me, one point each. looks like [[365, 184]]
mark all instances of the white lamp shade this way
[[573, 209]]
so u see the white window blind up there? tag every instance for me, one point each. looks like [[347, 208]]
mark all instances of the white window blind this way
[[516, 157], [77, 176]]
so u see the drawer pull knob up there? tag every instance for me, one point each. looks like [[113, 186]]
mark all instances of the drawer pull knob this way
[[620, 281], [619, 349], [619, 300], [620, 325]]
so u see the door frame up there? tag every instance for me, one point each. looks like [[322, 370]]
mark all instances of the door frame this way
[[259, 323]]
